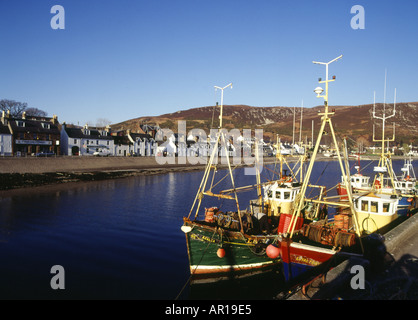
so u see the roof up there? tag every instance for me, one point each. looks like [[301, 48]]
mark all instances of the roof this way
[[141, 136], [4, 129], [34, 125], [122, 140], [79, 133]]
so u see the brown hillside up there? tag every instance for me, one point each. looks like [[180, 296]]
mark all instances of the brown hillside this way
[[354, 121]]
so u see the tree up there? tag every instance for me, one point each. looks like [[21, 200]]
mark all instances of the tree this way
[[102, 122], [35, 112], [406, 148], [16, 108]]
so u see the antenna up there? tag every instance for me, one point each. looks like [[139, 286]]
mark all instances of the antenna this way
[[300, 129], [384, 94]]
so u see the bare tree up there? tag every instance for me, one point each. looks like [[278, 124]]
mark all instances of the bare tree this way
[[102, 122], [36, 112], [16, 108]]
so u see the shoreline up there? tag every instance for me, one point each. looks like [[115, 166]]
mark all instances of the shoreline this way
[[23, 173]]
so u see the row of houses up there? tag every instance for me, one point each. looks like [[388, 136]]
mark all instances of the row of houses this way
[[45, 136]]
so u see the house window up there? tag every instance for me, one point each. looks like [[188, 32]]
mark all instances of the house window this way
[[46, 125], [75, 141], [20, 123], [87, 142], [35, 136]]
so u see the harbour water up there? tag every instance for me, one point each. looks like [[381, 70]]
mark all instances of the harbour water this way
[[118, 239]]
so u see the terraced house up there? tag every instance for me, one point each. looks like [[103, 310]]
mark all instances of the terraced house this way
[[5, 140], [84, 141], [33, 135]]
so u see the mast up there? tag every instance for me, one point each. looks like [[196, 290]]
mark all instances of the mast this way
[[300, 127], [326, 119], [293, 136], [385, 164], [222, 102], [220, 139]]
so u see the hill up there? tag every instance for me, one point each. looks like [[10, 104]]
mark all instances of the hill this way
[[353, 121]]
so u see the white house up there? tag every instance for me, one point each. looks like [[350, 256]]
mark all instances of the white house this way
[[85, 141], [168, 148], [5, 140], [143, 144]]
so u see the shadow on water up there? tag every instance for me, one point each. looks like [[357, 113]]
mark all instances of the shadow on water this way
[[263, 286]]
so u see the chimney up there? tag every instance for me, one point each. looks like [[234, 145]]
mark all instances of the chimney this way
[[24, 115], [54, 119]]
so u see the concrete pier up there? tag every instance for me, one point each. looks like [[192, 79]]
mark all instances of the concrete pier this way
[[396, 277]]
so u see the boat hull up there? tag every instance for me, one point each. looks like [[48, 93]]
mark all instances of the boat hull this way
[[244, 255], [298, 259]]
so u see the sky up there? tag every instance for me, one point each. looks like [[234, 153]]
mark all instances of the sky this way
[[123, 59]]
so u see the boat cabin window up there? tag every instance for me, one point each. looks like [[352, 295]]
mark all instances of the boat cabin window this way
[[270, 193], [278, 196], [286, 195], [364, 205], [373, 206], [386, 207]]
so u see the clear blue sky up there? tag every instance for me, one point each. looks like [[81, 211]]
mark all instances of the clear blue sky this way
[[125, 59]]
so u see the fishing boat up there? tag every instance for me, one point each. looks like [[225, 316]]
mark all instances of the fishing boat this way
[[326, 227], [407, 183], [385, 181], [223, 244]]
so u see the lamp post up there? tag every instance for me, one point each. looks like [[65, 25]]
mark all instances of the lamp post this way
[[222, 101]]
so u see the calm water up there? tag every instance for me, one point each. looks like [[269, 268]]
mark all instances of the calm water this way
[[117, 239]]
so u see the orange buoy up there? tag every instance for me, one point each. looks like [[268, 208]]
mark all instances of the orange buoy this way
[[221, 252], [273, 251]]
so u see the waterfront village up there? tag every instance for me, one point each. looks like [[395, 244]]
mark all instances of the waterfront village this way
[[42, 136]]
